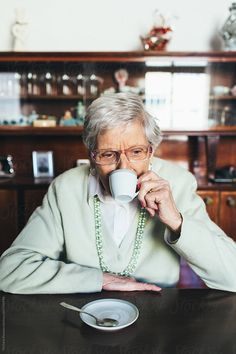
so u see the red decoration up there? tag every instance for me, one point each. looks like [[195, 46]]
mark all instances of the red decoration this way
[[160, 34], [157, 38]]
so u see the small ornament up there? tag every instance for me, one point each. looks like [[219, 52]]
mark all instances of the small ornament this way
[[68, 120], [19, 30], [121, 76], [160, 34], [228, 31]]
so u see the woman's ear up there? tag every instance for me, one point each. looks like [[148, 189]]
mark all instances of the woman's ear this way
[[151, 151], [92, 170], [92, 167]]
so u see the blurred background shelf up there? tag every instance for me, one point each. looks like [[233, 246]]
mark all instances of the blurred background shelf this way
[[199, 127]]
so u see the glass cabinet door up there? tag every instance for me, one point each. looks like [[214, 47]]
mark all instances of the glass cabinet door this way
[[182, 92]]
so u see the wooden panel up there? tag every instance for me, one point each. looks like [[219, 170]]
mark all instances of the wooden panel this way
[[226, 152], [174, 150], [211, 200], [227, 219], [211, 56], [8, 218], [66, 150], [33, 199]]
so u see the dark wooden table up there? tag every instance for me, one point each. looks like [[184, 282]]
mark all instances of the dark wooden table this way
[[178, 321]]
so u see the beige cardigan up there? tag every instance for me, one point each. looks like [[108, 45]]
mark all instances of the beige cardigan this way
[[56, 251]]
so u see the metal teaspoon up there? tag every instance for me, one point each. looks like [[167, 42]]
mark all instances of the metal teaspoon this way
[[103, 322]]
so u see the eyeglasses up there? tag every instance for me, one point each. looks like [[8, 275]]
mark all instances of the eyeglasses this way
[[111, 157]]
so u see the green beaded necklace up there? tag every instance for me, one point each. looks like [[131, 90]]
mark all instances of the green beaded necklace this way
[[137, 244]]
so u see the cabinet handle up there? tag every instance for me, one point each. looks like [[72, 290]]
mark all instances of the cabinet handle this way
[[231, 202], [208, 200]]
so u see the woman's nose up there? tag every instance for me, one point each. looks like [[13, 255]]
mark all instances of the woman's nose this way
[[124, 162]]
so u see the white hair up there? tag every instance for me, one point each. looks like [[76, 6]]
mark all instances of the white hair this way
[[113, 110]]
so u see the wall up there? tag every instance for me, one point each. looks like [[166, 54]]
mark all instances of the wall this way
[[112, 25]]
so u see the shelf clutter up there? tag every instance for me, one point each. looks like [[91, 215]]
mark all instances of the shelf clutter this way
[[185, 90]]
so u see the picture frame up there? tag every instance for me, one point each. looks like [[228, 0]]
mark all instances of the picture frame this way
[[81, 162], [42, 164]]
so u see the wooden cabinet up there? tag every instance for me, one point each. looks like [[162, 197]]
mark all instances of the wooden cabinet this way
[[212, 202], [19, 197], [227, 213], [8, 218], [221, 207], [33, 199], [185, 90]]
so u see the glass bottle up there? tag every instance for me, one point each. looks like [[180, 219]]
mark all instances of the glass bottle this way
[[66, 85], [29, 84], [35, 84], [23, 84], [226, 116], [17, 84], [228, 31], [81, 84], [95, 83], [80, 113], [48, 82]]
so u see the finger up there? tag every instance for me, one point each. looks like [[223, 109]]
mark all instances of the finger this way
[[148, 176], [145, 188], [149, 187], [131, 286], [152, 287], [151, 211], [146, 287], [120, 286], [152, 200], [132, 279]]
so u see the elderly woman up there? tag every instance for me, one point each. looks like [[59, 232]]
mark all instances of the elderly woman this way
[[82, 240]]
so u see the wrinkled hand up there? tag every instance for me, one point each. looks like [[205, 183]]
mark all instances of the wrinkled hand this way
[[155, 195], [119, 283]]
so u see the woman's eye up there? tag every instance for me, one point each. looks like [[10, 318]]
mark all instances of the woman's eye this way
[[137, 151], [107, 154]]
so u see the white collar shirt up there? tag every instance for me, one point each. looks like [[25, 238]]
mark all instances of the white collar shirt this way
[[117, 217]]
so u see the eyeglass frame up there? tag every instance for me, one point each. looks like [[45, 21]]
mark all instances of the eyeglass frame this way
[[119, 152]]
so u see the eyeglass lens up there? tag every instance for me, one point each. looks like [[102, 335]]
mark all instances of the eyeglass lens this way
[[107, 157]]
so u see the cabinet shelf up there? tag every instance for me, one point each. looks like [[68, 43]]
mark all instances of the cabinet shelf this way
[[44, 131], [81, 97], [46, 97], [223, 98], [78, 130], [86, 97], [123, 56]]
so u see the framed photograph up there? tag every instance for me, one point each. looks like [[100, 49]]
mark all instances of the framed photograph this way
[[43, 163], [81, 162]]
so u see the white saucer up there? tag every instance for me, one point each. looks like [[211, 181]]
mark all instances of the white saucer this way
[[123, 311]]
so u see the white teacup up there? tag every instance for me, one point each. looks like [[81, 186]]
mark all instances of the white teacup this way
[[123, 183]]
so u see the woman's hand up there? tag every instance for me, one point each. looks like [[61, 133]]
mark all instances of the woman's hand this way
[[119, 283], [155, 195]]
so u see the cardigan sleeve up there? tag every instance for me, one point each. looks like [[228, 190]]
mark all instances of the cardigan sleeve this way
[[205, 247], [34, 263]]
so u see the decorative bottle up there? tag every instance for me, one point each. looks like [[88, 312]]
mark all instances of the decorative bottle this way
[[228, 31]]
